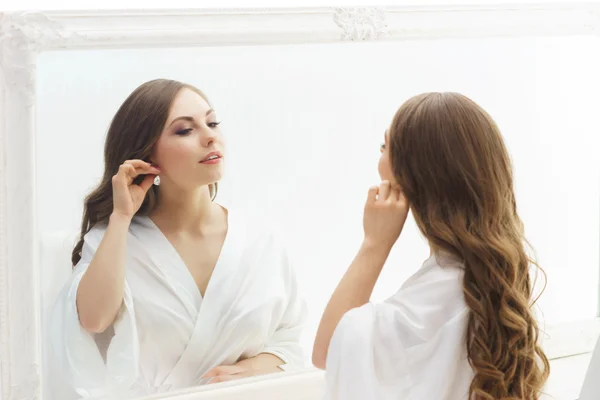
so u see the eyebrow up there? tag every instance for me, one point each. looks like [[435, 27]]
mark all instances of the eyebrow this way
[[188, 118]]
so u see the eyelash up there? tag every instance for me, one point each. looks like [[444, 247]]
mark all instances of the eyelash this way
[[184, 132], [382, 146]]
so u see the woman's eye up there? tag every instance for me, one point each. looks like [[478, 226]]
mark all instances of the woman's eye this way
[[214, 124], [382, 148], [183, 132]]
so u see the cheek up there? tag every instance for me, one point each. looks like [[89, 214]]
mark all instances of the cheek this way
[[171, 153], [384, 168]]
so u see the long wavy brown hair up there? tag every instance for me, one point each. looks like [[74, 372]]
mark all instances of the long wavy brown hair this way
[[132, 134], [449, 158]]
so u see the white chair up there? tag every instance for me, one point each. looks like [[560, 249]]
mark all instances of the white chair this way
[[55, 269]]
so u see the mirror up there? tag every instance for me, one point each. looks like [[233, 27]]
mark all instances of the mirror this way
[[300, 128], [303, 125]]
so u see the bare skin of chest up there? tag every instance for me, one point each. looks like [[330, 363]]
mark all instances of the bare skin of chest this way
[[200, 255]]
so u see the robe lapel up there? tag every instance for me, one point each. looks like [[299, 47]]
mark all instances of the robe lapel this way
[[173, 269], [220, 293]]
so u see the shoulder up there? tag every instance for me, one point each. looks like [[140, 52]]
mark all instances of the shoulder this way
[[95, 234], [429, 301], [439, 276], [137, 226], [91, 242], [371, 327]]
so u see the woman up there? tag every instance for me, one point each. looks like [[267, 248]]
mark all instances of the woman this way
[[461, 327], [171, 289]]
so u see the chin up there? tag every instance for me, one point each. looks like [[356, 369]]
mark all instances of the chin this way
[[213, 178]]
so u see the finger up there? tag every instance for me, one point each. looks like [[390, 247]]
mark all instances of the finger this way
[[235, 370], [138, 163], [147, 182], [372, 196], [384, 190], [213, 372], [221, 378], [131, 172], [224, 370], [143, 166], [126, 173], [126, 169]]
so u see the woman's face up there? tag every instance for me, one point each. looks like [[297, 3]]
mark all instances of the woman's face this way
[[189, 151], [385, 169]]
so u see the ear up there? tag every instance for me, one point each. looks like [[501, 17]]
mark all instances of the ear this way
[[151, 161]]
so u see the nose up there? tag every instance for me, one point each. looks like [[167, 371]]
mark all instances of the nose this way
[[208, 137]]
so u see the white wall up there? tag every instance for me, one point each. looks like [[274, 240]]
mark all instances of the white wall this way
[[304, 123]]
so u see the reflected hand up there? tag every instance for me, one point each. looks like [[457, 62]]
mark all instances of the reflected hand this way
[[386, 210], [226, 373], [127, 196]]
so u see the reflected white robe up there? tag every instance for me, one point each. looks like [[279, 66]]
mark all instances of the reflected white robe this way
[[412, 346], [166, 335]]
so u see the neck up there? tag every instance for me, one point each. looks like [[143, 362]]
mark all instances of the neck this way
[[191, 211]]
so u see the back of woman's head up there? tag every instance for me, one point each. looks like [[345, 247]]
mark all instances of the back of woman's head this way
[[450, 160], [133, 132]]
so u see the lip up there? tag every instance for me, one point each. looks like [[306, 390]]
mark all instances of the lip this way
[[218, 154]]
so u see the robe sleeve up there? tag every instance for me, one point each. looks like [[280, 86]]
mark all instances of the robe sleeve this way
[[591, 385], [93, 369], [285, 341], [366, 359]]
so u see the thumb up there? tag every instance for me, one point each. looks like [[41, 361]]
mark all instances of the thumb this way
[[372, 196], [147, 182]]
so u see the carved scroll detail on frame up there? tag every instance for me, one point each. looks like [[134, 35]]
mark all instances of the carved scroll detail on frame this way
[[361, 23], [22, 37]]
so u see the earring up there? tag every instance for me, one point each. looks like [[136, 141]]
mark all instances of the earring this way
[[157, 180]]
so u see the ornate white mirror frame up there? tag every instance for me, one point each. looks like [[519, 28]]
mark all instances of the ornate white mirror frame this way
[[23, 36]]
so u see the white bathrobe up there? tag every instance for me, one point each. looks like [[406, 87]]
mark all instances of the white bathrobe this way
[[411, 347], [167, 336], [590, 389]]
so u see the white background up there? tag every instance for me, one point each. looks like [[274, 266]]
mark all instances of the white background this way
[[304, 123]]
